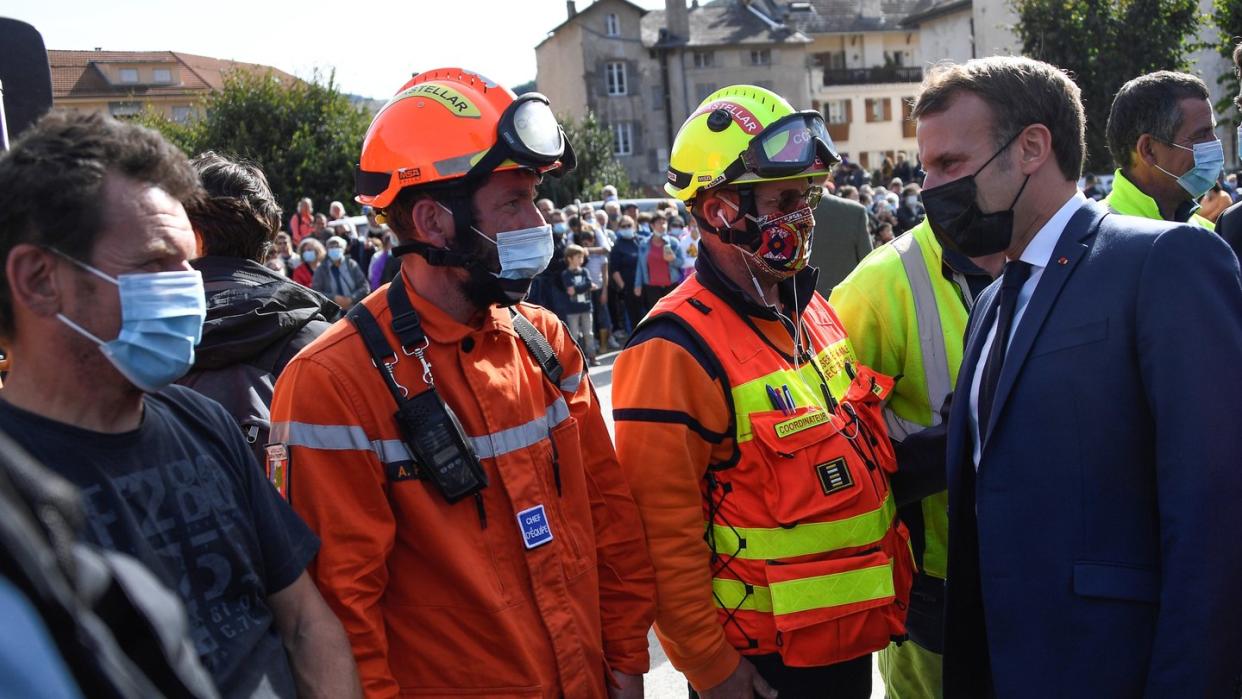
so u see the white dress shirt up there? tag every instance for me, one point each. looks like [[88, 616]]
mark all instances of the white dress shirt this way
[[1037, 254]]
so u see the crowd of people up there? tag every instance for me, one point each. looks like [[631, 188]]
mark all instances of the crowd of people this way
[[940, 414]]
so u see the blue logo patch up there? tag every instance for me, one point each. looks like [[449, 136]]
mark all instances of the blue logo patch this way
[[535, 528]]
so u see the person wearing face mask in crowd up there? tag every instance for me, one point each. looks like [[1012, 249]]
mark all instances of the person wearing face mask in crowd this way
[[659, 264], [1162, 134], [445, 439], [310, 253], [101, 311], [339, 277], [623, 264], [740, 403], [1093, 444], [910, 212]]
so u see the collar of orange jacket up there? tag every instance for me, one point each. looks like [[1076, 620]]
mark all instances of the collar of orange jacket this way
[[443, 328]]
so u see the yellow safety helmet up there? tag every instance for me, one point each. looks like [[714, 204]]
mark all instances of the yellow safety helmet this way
[[745, 133]]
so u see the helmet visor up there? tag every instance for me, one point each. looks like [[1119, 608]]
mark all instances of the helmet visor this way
[[790, 145]]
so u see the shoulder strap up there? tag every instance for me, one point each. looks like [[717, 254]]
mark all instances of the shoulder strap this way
[[382, 355], [537, 345]]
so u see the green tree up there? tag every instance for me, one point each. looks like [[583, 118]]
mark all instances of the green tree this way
[[597, 166], [305, 135], [1105, 44], [1227, 17]]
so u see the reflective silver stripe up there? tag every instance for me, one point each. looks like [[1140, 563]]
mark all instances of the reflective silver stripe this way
[[353, 437], [522, 436], [898, 427], [571, 384], [338, 438], [931, 335]]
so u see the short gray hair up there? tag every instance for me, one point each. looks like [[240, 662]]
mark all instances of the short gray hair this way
[[1149, 104]]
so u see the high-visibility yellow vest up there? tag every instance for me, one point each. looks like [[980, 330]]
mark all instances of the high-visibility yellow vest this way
[[906, 319], [1126, 198]]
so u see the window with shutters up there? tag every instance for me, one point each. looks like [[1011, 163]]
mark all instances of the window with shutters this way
[[879, 109], [835, 111], [704, 59], [614, 76], [907, 120], [612, 26], [761, 57], [622, 138], [839, 114]]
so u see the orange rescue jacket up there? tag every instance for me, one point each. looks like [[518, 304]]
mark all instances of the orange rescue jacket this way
[[435, 602], [803, 555]]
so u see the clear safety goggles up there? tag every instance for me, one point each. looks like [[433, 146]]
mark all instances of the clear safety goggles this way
[[527, 134]]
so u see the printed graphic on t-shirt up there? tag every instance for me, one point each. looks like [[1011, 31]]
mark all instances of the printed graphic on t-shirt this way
[[189, 506]]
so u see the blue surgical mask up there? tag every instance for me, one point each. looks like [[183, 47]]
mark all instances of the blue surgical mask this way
[[1209, 159], [162, 317], [625, 233], [559, 227], [309, 256], [335, 254], [523, 253]]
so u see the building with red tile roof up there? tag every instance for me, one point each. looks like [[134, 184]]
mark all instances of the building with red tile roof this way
[[124, 83]]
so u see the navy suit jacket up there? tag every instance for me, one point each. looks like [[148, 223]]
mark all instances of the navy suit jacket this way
[[1098, 550]]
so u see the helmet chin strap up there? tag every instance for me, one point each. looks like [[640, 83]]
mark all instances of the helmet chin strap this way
[[747, 239], [455, 200]]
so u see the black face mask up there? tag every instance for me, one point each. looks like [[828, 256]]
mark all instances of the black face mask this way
[[953, 211]]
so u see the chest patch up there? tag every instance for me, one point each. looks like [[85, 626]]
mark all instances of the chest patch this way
[[535, 528], [803, 422], [834, 476], [277, 465]]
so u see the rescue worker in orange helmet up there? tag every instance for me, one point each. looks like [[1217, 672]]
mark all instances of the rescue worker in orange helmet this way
[[445, 442], [740, 406]]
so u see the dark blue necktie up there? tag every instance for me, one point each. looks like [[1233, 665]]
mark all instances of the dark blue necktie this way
[[1015, 275]]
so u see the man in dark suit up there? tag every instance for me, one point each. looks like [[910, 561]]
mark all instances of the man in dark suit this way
[[1229, 225], [841, 240], [1095, 453]]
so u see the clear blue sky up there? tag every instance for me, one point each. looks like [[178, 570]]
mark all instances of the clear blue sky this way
[[374, 46]]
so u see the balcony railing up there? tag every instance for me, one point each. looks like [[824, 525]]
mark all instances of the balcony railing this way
[[868, 76]]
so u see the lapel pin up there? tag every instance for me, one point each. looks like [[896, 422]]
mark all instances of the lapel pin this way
[[1063, 261]]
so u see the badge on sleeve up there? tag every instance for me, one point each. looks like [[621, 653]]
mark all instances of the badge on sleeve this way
[[536, 531], [278, 466]]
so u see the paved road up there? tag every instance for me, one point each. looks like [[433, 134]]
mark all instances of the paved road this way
[[663, 682]]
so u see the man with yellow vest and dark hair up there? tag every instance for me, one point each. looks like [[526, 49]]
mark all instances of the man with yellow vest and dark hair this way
[[905, 308], [1162, 134], [751, 435]]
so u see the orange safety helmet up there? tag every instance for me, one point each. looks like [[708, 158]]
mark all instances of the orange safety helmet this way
[[450, 124]]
